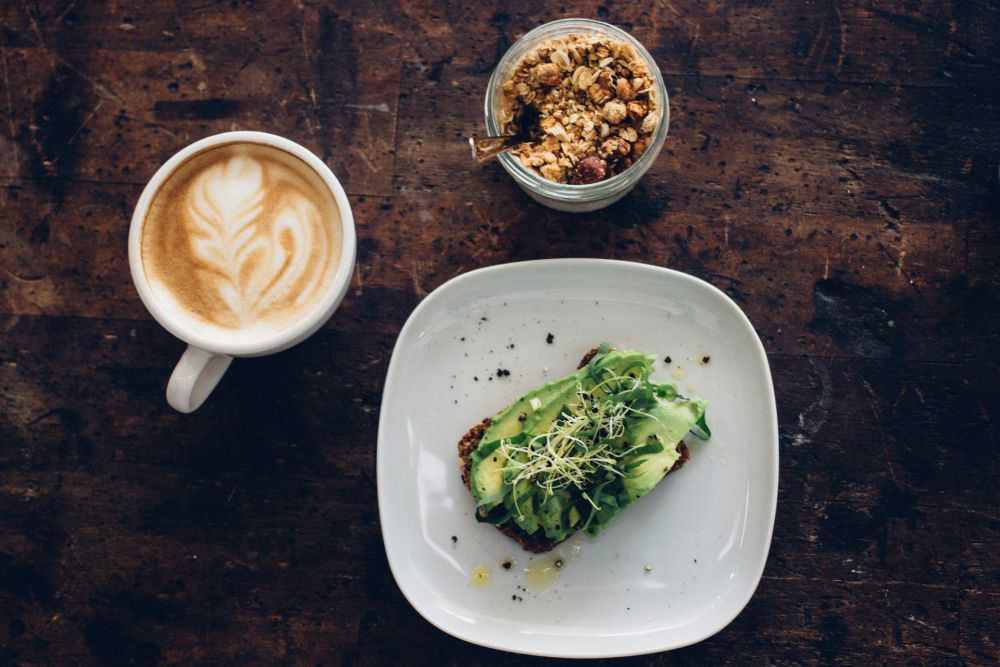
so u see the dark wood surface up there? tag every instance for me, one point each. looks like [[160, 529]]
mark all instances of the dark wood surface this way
[[831, 165]]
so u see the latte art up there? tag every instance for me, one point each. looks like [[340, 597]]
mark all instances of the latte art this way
[[242, 238], [249, 261]]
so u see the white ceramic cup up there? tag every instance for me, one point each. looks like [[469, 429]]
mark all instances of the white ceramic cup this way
[[206, 359]]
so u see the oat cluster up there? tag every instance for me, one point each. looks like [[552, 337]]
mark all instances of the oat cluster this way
[[597, 103]]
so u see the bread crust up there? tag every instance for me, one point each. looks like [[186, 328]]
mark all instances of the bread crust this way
[[537, 543]]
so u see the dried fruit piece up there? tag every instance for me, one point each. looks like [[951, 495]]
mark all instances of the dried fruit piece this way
[[590, 170]]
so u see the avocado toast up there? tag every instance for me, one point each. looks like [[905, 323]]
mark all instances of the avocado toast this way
[[570, 455]]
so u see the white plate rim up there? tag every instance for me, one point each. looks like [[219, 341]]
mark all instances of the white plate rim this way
[[440, 293]]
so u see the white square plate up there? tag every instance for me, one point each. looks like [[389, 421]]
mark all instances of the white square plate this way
[[673, 569]]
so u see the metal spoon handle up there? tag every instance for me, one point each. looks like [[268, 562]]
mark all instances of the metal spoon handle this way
[[483, 148]]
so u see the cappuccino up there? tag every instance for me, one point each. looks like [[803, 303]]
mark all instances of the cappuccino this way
[[241, 241]]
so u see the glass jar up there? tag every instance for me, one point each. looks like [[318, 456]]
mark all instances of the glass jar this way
[[565, 196]]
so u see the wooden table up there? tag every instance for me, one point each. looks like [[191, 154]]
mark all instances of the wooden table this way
[[832, 166]]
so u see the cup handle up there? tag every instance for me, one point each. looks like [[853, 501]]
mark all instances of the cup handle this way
[[194, 378]]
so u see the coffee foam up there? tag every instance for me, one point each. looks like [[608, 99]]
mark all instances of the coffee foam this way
[[241, 242]]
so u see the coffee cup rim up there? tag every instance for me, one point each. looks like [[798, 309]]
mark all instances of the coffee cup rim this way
[[284, 338]]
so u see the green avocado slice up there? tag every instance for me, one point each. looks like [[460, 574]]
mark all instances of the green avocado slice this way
[[486, 476], [668, 422], [647, 451]]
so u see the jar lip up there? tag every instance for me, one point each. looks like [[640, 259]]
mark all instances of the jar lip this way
[[588, 191]]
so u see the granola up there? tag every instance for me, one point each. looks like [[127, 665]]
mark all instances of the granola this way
[[596, 100]]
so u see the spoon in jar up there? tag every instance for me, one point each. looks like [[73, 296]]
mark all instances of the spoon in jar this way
[[483, 148]]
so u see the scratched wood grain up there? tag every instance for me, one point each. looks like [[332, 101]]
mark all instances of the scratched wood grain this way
[[855, 265], [84, 118], [919, 43], [832, 166]]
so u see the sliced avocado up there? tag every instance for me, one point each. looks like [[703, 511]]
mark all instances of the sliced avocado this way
[[552, 514], [540, 420], [668, 422], [658, 420], [524, 514], [574, 516], [486, 476]]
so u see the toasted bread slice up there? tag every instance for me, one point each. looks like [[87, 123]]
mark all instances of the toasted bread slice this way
[[538, 542]]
